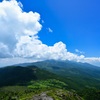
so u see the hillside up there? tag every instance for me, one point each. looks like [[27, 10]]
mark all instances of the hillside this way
[[56, 80], [77, 75], [17, 75], [26, 83]]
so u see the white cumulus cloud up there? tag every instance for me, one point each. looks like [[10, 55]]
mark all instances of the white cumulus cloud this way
[[19, 38], [16, 24]]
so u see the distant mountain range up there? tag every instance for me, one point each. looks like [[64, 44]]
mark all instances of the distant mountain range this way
[[75, 74], [50, 75], [17, 75]]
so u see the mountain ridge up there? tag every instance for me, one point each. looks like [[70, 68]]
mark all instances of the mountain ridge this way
[[28, 80]]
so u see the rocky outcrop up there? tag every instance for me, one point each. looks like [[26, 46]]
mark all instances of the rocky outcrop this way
[[42, 96]]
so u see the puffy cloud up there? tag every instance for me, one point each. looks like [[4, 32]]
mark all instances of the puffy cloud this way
[[14, 23], [4, 51], [19, 40], [78, 51]]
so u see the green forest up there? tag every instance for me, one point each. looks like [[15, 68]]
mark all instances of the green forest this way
[[52, 78]]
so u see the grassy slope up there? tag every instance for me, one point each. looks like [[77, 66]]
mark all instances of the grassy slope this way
[[24, 82], [16, 75], [53, 88], [77, 75], [21, 83]]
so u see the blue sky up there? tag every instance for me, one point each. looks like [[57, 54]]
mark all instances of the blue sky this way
[[75, 22], [34, 30]]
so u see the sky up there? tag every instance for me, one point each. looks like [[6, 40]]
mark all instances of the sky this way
[[34, 30]]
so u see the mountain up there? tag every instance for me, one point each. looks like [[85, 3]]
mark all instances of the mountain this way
[[78, 75], [57, 80], [33, 83], [17, 75]]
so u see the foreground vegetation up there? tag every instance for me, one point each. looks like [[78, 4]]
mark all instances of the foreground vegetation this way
[[60, 83], [54, 88]]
